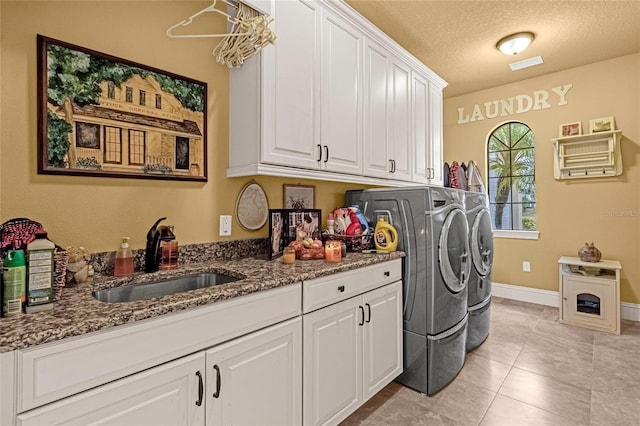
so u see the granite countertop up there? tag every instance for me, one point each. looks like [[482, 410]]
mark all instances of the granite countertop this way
[[78, 312]]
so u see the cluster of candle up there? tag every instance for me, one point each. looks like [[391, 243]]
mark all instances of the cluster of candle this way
[[289, 255], [332, 251]]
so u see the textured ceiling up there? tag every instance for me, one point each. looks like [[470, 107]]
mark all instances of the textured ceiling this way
[[456, 39]]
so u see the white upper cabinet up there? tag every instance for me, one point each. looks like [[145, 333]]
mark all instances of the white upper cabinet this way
[[274, 105], [376, 109], [341, 100], [295, 64], [434, 147], [332, 100], [399, 144], [420, 125]]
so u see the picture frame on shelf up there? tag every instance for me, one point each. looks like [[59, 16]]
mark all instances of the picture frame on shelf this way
[[298, 197], [104, 116], [570, 129], [605, 124]]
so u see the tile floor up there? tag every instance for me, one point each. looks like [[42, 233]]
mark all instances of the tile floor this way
[[531, 370]]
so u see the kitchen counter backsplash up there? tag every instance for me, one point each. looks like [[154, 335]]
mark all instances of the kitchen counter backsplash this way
[[78, 312], [189, 254]]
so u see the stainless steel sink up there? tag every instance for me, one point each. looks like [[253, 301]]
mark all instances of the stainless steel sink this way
[[130, 293]]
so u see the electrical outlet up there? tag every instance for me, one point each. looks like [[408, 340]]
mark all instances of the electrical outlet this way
[[225, 225], [526, 266]]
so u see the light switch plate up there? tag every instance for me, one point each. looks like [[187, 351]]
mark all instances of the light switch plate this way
[[225, 225], [526, 266]]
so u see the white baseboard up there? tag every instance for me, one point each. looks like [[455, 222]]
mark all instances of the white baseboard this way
[[526, 294], [628, 311]]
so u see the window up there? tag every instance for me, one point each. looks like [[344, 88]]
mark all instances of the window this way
[[158, 101], [111, 90], [129, 94], [143, 97], [112, 145], [136, 147], [182, 153], [512, 189], [87, 135]]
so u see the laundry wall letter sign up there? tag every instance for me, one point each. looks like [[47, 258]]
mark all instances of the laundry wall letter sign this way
[[518, 104]]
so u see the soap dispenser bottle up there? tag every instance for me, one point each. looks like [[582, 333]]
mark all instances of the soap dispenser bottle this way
[[168, 248], [124, 260]]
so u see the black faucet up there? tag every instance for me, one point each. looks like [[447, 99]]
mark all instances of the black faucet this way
[[152, 252]]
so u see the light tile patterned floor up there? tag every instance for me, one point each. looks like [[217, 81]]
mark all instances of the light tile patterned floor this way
[[531, 370]]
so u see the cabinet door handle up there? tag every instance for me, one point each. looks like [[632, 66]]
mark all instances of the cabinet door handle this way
[[392, 168], [200, 388], [362, 318], [216, 394], [326, 153], [341, 289], [387, 273], [368, 312], [319, 153]]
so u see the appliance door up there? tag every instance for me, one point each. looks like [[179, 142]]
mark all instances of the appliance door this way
[[481, 244], [453, 251]]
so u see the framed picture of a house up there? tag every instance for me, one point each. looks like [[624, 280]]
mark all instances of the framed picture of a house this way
[[99, 115]]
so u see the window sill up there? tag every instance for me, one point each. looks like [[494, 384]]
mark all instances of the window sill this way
[[520, 235]]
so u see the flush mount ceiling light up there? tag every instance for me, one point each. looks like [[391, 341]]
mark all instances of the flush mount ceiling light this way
[[515, 43]]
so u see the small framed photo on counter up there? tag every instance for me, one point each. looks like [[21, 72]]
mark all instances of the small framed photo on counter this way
[[304, 223], [287, 225], [570, 129], [277, 237]]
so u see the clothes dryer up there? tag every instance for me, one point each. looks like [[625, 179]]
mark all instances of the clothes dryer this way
[[433, 232], [479, 285]]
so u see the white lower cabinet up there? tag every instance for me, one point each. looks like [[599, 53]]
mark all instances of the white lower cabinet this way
[[352, 349], [309, 353], [170, 394], [257, 380]]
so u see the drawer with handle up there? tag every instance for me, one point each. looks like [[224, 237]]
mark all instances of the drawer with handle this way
[[320, 292]]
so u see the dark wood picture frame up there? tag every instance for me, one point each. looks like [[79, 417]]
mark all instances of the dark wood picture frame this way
[[100, 115], [298, 196]]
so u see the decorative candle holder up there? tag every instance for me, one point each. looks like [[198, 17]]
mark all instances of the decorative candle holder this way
[[289, 255], [332, 251]]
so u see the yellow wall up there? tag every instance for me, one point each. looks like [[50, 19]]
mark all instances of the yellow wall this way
[[569, 212], [96, 212]]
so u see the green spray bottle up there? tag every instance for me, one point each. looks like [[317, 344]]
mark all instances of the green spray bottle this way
[[14, 280]]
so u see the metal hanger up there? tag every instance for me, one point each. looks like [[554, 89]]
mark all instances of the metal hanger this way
[[211, 8]]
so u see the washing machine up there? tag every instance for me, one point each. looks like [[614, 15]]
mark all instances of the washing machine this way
[[479, 284], [433, 232]]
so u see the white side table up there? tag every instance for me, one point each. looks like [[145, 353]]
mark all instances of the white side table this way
[[590, 293]]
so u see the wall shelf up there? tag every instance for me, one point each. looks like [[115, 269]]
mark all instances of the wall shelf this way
[[588, 156]]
